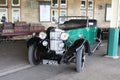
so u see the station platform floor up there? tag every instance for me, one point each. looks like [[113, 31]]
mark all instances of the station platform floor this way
[[14, 66]]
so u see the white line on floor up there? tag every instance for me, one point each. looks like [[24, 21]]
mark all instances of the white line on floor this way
[[14, 70]]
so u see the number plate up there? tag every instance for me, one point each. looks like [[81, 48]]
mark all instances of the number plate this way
[[50, 62]]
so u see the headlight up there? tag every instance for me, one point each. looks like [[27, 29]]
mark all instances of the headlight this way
[[61, 45], [45, 43], [64, 36], [33, 34], [42, 35]]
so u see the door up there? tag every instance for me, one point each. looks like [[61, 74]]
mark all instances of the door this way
[[92, 34]]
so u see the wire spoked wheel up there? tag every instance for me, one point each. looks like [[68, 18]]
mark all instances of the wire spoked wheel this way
[[80, 59]]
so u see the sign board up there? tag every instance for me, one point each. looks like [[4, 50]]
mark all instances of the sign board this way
[[44, 12], [108, 12]]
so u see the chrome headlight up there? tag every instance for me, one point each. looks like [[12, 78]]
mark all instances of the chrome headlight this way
[[61, 45], [64, 36], [42, 35], [45, 43]]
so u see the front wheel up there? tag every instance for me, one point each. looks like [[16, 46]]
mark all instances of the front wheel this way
[[80, 59], [33, 55]]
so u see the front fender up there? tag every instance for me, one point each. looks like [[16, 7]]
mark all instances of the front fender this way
[[85, 43], [80, 43], [33, 40], [77, 45]]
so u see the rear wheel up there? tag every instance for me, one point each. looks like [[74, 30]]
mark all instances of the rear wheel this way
[[80, 59], [33, 55]]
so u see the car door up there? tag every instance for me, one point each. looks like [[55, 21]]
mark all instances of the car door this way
[[92, 34]]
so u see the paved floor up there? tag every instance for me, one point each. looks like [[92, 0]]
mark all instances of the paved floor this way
[[97, 67], [12, 55]]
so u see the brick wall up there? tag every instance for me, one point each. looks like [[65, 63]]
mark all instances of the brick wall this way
[[100, 12], [30, 11]]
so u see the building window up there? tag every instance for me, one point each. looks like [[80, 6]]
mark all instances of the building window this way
[[63, 3], [83, 12], [15, 14], [87, 8], [62, 14], [54, 3], [3, 15], [60, 9], [90, 4], [54, 13], [15, 2], [3, 2], [83, 4], [90, 14]]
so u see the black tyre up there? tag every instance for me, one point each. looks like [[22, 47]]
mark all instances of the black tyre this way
[[80, 59], [33, 55]]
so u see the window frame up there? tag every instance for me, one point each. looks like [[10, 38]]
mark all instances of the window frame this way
[[63, 5], [92, 6], [60, 14], [15, 4], [90, 14], [81, 5], [19, 13], [4, 4], [56, 6], [54, 15], [83, 13], [6, 14]]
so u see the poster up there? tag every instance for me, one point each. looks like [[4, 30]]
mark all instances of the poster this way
[[44, 12]]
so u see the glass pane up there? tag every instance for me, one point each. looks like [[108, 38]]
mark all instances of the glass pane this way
[[63, 14], [3, 15], [15, 1], [54, 2], [63, 4], [63, 1], [90, 4], [15, 15], [83, 5], [90, 14], [83, 13], [2, 1], [54, 16]]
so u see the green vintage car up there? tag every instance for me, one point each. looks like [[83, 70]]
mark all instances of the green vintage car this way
[[67, 43]]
